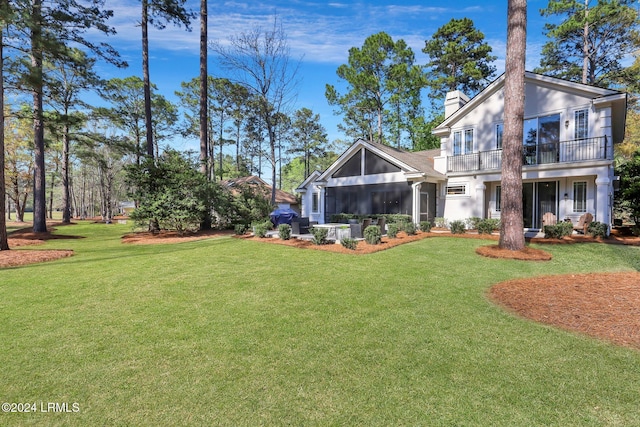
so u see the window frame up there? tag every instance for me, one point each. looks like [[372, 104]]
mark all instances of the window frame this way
[[499, 135], [315, 202], [580, 200], [498, 194], [581, 124], [460, 186]]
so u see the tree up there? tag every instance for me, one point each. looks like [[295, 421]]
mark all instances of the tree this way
[[259, 60], [18, 167], [68, 81], [459, 59], [157, 13], [170, 191], [44, 32], [629, 195], [4, 240], [309, 137], [379, 76], [591, 41], [203, 104], [511, 220]]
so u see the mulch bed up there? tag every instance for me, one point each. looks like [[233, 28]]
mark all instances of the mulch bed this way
[[148, 238], [600, 305]]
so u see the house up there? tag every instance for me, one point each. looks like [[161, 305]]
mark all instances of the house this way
[[283, 199], [569, 133]]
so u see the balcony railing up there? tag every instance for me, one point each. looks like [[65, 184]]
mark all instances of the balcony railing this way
[[579, 150]]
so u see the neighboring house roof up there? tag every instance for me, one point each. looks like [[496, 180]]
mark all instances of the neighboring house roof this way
[[261, 185], [599, 95], [411, 163]]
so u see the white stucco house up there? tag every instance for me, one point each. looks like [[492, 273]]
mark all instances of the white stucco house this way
[[569, 133]]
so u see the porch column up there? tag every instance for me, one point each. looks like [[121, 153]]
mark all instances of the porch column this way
[[415, 195], [603, 187], [321, 204], [478, 204]]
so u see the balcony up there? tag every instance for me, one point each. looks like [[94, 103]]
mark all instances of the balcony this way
[[579, 150]]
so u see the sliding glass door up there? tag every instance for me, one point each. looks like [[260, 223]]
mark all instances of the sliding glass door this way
[[538, 198]]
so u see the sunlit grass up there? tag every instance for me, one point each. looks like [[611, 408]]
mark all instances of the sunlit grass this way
[[234, 332]]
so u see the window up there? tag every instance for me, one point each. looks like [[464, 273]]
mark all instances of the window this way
[[582, 124], [468, 141], [499, 133], [456, 190], [580, 196], [458, 146], [457, 143], [498, 198], [315, 202]]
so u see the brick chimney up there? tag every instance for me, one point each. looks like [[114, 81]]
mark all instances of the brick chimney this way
[[453, 102]]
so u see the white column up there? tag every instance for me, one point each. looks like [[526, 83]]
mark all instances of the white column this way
[[603, 187], [415, 192], [478, 208]]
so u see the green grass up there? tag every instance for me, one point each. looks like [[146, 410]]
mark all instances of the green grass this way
[[234, 332]]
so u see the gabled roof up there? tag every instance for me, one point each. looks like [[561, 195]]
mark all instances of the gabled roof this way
[[260, 185], [312, 177], [599, 95], [418, 162]]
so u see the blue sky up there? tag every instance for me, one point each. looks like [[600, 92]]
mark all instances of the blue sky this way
[[319, 34]]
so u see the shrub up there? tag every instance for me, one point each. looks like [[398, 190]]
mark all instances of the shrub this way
[[284, 231], [260, 229], [425, 226], [372, 235], [440, 222], [558, 231], [349, 243], [635, 230], [392, 230], [488, 225], [240, 229], [457, 227], [319, 235], [472, 222], [597, 229], [410, 228]]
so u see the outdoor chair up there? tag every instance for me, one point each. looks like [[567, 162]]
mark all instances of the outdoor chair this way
[[549, 218], [381, 223], [365, 223], [356, 231], [583, 223]]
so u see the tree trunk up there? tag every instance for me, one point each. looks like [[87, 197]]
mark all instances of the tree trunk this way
[[511, 219], [39, 178], [4, 239], [585, 44], [66, 185], [145, 75], [204, 81]]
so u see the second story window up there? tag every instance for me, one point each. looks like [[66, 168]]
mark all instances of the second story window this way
[[499, 133], [581, 124], [463, 142]]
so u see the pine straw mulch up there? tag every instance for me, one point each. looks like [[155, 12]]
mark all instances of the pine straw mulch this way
[[149, 238], [600, 305], [26, 237]]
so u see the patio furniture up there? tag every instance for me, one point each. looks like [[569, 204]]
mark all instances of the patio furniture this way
[[381, 223], [356, 231], [549, 218], [300, 225], [583, 223], [365, 223]]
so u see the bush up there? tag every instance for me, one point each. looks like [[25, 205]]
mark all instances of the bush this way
[[598, 229], [425, 226], [488, 225], [319, 235], [240, 229], [349, 243], [457, 227], [284, 231], [558, 231], [635, 230], [410, 228], [472, 222], [372, 235], [392, 230], [260, 229], [440, 222]]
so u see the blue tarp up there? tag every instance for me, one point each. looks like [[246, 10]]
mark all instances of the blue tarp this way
[[282, 216]]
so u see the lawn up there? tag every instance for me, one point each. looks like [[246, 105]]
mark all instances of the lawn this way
[[241, 333]]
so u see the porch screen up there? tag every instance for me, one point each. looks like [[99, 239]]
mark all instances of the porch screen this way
[[351, 167], [375, 164]]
